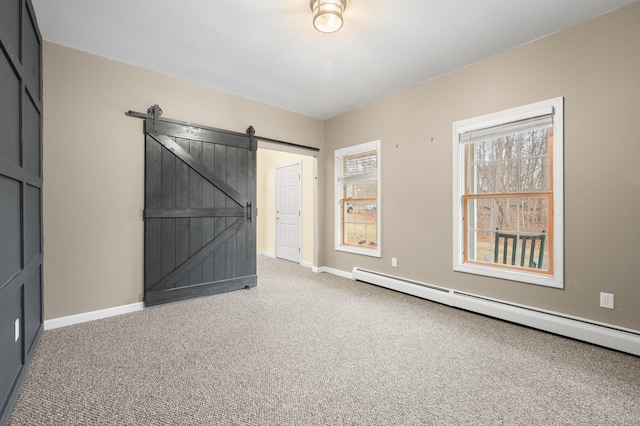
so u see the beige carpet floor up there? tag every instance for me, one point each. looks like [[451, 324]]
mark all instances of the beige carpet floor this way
[[315, 349]]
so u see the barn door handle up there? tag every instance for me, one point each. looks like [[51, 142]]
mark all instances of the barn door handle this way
[[249, 210]]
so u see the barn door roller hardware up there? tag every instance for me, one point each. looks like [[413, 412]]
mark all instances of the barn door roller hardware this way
[[156, 112]]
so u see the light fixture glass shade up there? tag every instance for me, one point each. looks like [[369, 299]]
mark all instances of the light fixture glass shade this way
[[327, 14]]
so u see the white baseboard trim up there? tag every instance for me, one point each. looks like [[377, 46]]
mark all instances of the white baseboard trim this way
[[267, 254], [93, 315], [613, 337], [332, 271], [273, 256]]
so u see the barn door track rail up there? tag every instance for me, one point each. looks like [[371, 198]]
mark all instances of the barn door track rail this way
[[155, 112]]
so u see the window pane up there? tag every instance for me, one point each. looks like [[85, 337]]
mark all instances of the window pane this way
[[361, 189], [521, 251], [360, 222], [480, 246], [516, 163], [525, 214], [360, 234], [362, 162], [525, 218]]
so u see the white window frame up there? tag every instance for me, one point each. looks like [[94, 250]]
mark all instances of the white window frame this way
[[515, 114], [339, 188]]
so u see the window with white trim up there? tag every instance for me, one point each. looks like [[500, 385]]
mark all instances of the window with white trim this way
[[357, 213], [508, 216]]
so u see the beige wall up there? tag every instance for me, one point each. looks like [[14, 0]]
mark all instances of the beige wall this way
[[268, 160], [94, 164], [596, 67]]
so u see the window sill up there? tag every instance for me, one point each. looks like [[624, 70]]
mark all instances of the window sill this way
[[362, 251], [519, 276]]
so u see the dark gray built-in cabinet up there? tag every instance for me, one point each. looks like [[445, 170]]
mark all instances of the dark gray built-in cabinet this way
[[21, 309]]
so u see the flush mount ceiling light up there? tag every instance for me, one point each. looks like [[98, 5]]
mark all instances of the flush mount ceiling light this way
[[327, 14]]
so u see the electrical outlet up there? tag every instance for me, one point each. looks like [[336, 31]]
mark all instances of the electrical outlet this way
[[394, 262], [606, 300]]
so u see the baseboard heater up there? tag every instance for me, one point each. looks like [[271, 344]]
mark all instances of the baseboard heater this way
[[620, 339]]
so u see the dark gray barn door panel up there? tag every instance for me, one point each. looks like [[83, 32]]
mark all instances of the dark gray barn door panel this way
[[21, 315], [200, 189]]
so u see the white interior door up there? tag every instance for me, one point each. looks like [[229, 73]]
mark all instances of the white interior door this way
[[288, 212]]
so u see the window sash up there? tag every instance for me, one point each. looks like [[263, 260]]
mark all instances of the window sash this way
[[529, 172], [362, 224], [356, 202], [467, 198]]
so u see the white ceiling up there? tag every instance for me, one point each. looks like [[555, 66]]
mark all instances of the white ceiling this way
[[267, 50]]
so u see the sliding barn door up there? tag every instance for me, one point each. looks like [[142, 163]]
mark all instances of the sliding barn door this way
[[200, 228], [20, 196]]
